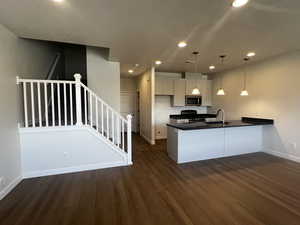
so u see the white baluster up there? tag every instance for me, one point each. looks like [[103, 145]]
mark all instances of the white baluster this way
[[52, 104], [46, 104], [97, 119], [123, 135], [91, 109], [129, 136], [78, 99], [65, 104], [71, 104], [59, 106], [32, 105], [39, 104], [85, 108], [107, 122], [113, 126], [25, 103], [118, 131]]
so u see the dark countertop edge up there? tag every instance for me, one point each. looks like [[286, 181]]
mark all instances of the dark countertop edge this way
[[193, 116], [257, 120], [242, 123]]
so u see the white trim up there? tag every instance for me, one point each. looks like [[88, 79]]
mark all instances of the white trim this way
[[282, 155], [48, 129], [151, 142], [110, 144], [10, 187], [160, 137], [73, 169]]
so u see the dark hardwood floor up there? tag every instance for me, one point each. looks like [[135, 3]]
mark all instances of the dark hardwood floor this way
[[243, 190]]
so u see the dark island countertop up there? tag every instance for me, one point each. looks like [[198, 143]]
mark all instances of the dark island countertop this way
[[192, 116], [245, 121]]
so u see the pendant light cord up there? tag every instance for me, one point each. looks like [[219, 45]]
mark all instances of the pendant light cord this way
[[222, 63], [245, 73]]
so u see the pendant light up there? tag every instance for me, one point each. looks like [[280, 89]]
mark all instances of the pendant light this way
[[196, 90], [244, 91], [221, 91]]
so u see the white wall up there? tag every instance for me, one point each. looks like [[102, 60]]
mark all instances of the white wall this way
[[146, 91], [129, 100], [27, 59], [103, 76], [273, 87], [65, 150], [163, 109], [128, 84], [10, 164]]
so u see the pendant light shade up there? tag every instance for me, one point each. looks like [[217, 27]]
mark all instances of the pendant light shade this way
[[244, 92], [221, 91], [196, 91]]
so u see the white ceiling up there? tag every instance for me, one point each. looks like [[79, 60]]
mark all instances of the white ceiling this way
[[141, 31]]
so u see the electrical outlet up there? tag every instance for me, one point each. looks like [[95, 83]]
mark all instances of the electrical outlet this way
[[66, 154]]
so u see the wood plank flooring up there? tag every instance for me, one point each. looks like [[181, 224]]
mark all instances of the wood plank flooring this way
[[244, 190]]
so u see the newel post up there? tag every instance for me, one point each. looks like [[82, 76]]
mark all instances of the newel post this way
[[129, 140], [78, 99]]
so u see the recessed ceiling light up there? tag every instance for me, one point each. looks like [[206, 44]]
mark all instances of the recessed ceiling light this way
[[158, 62], [130, 71], [251, 54], [182, 44], [57, 0], [212, 67], [239, 3]]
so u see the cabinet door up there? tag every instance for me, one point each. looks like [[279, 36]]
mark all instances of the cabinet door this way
[[163, 86], [179, 93], [206, 92], [190, 85]]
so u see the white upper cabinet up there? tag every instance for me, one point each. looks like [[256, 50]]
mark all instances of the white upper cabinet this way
[[206, 92], [192, 84], [205, 88], [164, 86], [179, 92]]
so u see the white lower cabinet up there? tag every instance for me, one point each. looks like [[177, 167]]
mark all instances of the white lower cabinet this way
[[194, 145], [200, 145], [243, 140]]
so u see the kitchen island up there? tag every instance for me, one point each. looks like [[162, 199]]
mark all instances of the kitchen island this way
[[196, 141]]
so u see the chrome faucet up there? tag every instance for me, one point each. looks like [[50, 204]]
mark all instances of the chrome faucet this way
[[223, 114]]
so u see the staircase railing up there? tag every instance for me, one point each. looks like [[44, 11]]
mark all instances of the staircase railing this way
[[74, 104]]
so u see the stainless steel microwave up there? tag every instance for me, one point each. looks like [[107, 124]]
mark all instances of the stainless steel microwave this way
[[193, 100]]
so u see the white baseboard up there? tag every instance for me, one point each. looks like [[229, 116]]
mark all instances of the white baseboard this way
[[151, 142], [73, 169], [10, 187], [160, 137], [282, 155]]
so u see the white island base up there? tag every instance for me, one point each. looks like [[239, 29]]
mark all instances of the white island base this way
[[194, 145]]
